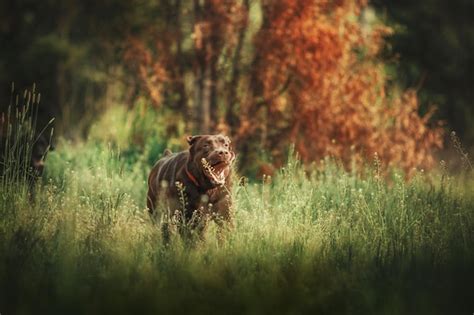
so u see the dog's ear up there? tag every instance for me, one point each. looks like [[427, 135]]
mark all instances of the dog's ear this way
[[192, 139]]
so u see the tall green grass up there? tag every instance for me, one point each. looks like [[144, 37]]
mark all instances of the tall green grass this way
[[319, 240], [17, 137]]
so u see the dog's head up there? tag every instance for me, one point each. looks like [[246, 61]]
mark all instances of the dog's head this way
[[212, 155], [38, 154]]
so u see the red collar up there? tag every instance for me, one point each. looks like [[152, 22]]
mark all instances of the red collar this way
[[191, 177]]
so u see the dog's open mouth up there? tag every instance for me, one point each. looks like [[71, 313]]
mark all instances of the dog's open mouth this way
[[215, 172]]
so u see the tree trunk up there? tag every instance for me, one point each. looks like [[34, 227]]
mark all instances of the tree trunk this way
[[206, 101], [201, 89], [232, 118], [180, 88], [212, 86]]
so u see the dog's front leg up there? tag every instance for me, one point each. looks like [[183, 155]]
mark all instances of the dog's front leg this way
[[224, 217]]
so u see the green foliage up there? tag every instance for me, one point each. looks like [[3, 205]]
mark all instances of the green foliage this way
[[324, 241], [18, 136], [68, 48], [434, 40], [140, 134]]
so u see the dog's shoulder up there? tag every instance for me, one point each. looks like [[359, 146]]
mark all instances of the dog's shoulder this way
[[172, 158]]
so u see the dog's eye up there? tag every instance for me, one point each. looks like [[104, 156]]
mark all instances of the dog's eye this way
[[226, 145]]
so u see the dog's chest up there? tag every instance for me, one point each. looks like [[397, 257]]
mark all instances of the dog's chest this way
[[214, 194]]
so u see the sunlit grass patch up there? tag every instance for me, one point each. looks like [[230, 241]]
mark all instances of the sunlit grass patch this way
[[305, 240]]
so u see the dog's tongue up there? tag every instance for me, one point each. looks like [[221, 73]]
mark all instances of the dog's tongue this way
[[219, 168], [215, 173]]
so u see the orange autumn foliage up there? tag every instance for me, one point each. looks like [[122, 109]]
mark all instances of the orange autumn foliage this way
[[150, 69], [338, 102], [311, 76]]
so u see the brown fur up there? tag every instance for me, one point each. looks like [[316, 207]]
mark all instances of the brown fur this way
[[204, 197]]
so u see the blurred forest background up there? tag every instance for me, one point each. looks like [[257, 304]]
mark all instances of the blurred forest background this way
[[341, 78]]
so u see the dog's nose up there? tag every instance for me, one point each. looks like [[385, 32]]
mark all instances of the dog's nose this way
[[223, 152], [38, 163], [38, 166]]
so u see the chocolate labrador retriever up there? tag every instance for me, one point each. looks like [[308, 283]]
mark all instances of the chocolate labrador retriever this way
[[190, 187]]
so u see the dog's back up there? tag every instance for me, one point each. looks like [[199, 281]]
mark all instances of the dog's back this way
[[163, 176]]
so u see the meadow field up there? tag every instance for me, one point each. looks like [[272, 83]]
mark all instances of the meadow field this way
[[311, 239], [349, 195]]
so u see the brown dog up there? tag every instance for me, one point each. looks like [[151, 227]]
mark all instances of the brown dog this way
[[191, 186]]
